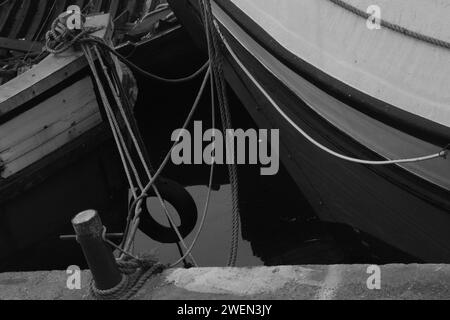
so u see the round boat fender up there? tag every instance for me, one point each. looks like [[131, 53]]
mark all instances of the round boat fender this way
[[175, 194]]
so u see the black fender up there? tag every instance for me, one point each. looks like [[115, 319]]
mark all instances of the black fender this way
[[175, 194]]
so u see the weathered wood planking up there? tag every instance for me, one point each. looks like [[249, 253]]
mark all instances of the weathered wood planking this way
[[52, 118], [47, 74], [20, 20], [51, 122], [20, 45], [30, 19], [34, 31], [52, 145], [6, 11]]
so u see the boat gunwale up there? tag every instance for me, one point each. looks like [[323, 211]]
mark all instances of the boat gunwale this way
[[384, 112], [49, 72], [52, 163], [419, 187]]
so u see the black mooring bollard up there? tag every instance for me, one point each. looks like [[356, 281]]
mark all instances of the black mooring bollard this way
[[89, 229]]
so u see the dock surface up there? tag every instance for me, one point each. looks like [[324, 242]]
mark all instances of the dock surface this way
[[339, 282]]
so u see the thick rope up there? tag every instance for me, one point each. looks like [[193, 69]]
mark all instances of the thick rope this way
[[138, 149], [216, 58], [143, 72], [211, 177], [140, 270], [136, 271], [393, 26], [168, 156], [59, 38], [127, 160], [135, 274]]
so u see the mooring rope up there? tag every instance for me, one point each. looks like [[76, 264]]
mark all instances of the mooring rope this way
[[211, 177], [135, 270], [216, 58], [60, 39], [392, 26], [441, 154], [141, 269], [140, 154], [143, 72]]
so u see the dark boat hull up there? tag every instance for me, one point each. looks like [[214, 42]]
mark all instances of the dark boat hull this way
[[388, 203]]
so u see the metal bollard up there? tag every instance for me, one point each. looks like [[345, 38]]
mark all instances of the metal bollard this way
[[89, 230]]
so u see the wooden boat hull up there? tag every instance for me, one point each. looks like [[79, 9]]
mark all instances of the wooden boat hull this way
[[407, 207], [81, 175], [56, 152], [30, 19]]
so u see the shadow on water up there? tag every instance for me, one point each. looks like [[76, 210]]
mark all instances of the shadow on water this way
[[278, 226]]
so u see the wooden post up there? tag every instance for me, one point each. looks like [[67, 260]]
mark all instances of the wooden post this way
[[89, 230]]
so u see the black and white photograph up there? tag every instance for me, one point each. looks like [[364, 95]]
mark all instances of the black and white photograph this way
[[224, 155]]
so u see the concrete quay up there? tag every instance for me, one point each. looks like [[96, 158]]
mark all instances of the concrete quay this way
[[337, 282]]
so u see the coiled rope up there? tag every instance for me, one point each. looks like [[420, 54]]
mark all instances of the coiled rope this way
[[60, 38], [136, 271], [135, 274], [393, 26]]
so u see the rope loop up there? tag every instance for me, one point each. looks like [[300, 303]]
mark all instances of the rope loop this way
[[136, 271], [60, 38]]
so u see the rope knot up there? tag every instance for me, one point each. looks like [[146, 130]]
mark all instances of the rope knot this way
[[136, 272], [60, 37]]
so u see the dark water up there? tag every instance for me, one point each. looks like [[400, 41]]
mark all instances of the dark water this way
[[277, 228], [277, 225]]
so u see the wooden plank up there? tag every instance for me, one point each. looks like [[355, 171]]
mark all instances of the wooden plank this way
[[42, 10], [7, 11], [49, 117], [48, 134], [20, 45], [41, 78], [52, 145], [148, 24], [4, 12], [51, 71], [20, 19], [43, 129], [38, 172]]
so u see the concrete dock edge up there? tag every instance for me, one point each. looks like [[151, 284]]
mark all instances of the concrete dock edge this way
[[337, 282]]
